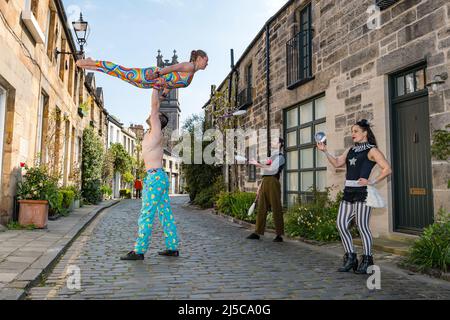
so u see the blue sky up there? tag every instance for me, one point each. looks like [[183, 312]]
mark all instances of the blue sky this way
[[131, 32]]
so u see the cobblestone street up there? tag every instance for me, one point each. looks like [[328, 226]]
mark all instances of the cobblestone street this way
[[216, 262]]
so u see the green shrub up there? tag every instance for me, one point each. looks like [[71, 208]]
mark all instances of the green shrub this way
[[205, 199], [68, 197], [432, 250], [223, 203], [197, 176], [209, 196], [56, 206], [441, 144], [123, 162], [125, 193], [76, 192], [106, 190], [236, 204], [91, 192], [92, 164], [315, 220], [240, 203], [128, 177]]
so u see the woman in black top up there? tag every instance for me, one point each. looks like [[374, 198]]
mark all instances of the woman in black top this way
[[359, 160]]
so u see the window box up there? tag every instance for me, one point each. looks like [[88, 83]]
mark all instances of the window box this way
[[32, 25], [81, 112]]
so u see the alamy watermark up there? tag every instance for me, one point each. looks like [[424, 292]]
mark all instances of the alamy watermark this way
[[233, 146], [374, 281], [73, 281]]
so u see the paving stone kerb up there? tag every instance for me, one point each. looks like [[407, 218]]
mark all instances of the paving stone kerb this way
[[25, 256], [216, 262]]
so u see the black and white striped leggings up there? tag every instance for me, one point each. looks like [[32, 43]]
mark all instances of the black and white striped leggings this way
[[348, 211]]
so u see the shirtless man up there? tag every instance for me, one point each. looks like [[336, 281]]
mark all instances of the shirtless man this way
[[155, 195]]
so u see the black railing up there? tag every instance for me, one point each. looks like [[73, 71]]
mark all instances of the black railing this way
[[245, 98], [298, 59]]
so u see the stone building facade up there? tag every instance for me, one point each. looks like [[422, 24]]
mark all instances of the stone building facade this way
[[324, 65], [40, 94]]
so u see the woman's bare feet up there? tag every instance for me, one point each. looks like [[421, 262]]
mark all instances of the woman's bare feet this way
[[86, 63]]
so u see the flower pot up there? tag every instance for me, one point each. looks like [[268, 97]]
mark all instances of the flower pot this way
[[72, 206], [33, 212], [76, 204]]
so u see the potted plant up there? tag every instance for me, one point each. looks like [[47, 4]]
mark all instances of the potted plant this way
[[68, 200], [83, 109], [75, 177], [35, 193], [77, 197], [106, 192]]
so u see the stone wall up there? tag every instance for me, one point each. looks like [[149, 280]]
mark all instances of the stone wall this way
[[25, 70]]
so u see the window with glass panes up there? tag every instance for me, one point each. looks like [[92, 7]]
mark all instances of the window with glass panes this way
[[305, 164], [410, 82]]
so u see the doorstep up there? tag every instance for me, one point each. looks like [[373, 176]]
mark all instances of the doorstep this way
[[395, 243]]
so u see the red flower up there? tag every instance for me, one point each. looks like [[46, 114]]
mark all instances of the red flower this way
[[22, 164]]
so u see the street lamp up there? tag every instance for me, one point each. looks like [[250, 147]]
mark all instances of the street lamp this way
[[437, 80], [81, 29]]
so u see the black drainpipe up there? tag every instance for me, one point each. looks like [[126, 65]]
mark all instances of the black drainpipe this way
[[269, 153], [229, 101]]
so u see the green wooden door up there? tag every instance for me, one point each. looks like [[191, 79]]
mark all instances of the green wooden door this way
[[413, 193]]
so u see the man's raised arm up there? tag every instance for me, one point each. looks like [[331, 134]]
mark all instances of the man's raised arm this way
[[155, 122]]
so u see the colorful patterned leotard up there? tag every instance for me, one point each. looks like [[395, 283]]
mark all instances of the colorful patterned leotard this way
[[140, 77]]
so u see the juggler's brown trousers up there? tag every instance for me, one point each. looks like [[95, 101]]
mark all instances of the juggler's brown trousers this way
[[270, 197]]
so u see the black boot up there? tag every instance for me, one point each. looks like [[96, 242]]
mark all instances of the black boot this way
[[132, 256], [350, 262], [253, 236], [366, 262], [169, 253], [278, 239]]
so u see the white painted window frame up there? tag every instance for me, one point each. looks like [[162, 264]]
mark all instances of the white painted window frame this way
[[32, 25]]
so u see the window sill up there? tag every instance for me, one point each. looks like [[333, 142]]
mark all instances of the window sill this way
[[299, 83], [245, 106], [33, 26]]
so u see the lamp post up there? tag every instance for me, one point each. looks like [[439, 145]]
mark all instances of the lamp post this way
[[81, 29]]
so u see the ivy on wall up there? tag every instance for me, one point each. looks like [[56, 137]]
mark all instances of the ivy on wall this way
[[440, 149], [92, 165]]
